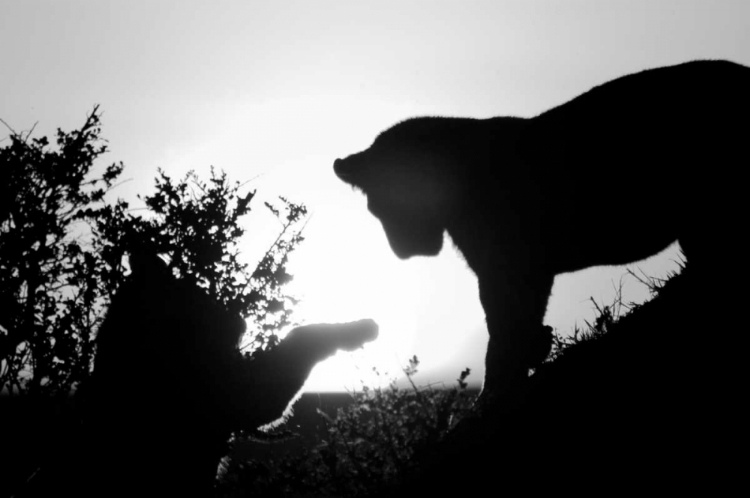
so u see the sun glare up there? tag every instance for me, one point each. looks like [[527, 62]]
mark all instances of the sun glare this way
[[345, 275], [364, 284]]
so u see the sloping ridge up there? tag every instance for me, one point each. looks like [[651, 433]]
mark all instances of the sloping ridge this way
[[656, 403]]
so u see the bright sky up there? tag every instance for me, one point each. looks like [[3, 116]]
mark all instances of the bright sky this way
[[277, 90]]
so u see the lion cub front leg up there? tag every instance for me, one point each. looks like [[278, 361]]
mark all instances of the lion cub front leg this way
[[518, 338]]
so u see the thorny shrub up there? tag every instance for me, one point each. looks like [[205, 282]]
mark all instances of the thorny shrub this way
[[369, 447]]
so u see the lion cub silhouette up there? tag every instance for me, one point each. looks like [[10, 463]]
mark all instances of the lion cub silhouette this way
[[611, 177], [170, 384]]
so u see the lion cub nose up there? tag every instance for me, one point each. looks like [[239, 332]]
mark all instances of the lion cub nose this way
[[338, 168]]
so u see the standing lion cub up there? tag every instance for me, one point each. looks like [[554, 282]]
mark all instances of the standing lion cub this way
[[611, 177]]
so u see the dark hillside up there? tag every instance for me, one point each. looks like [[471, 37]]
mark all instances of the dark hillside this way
[[655, 403]]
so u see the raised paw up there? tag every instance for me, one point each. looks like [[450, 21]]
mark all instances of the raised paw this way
[[333, 336]]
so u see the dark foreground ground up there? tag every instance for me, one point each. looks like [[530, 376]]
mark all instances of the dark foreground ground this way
[[655, 406], [33, 430]]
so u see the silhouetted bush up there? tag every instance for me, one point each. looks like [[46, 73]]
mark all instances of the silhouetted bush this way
[[51, 287], [370, 445], [62, 248]]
